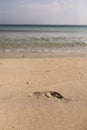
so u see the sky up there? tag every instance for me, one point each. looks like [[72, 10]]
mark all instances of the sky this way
[[43, 12]]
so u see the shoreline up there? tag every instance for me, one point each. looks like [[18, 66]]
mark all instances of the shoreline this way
[[26, 54]]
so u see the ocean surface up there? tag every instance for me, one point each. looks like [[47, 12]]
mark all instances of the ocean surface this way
[[43, 38]]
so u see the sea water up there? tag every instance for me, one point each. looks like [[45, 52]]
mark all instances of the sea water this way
[[43, 38]]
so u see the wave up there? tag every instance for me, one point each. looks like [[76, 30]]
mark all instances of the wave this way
[[42, 38], [36, 43]]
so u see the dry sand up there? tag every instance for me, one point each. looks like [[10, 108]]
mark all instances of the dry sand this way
[[23, 108]]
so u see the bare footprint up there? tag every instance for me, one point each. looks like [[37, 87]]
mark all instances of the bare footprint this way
[[47, 94], [53, 95]]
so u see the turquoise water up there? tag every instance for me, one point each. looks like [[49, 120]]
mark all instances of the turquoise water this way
[[43, 38]]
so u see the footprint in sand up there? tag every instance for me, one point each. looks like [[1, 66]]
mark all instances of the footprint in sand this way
[[54, 95], [48, 94]]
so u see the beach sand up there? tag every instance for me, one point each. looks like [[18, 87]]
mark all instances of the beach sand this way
[[28, 100]]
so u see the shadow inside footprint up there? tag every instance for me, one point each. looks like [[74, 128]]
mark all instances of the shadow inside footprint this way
[[37, 93], [56, 94]]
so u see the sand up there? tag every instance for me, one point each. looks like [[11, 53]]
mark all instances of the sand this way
[[27, 98]]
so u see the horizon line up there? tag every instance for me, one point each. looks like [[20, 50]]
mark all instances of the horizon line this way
[[45, 24]]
